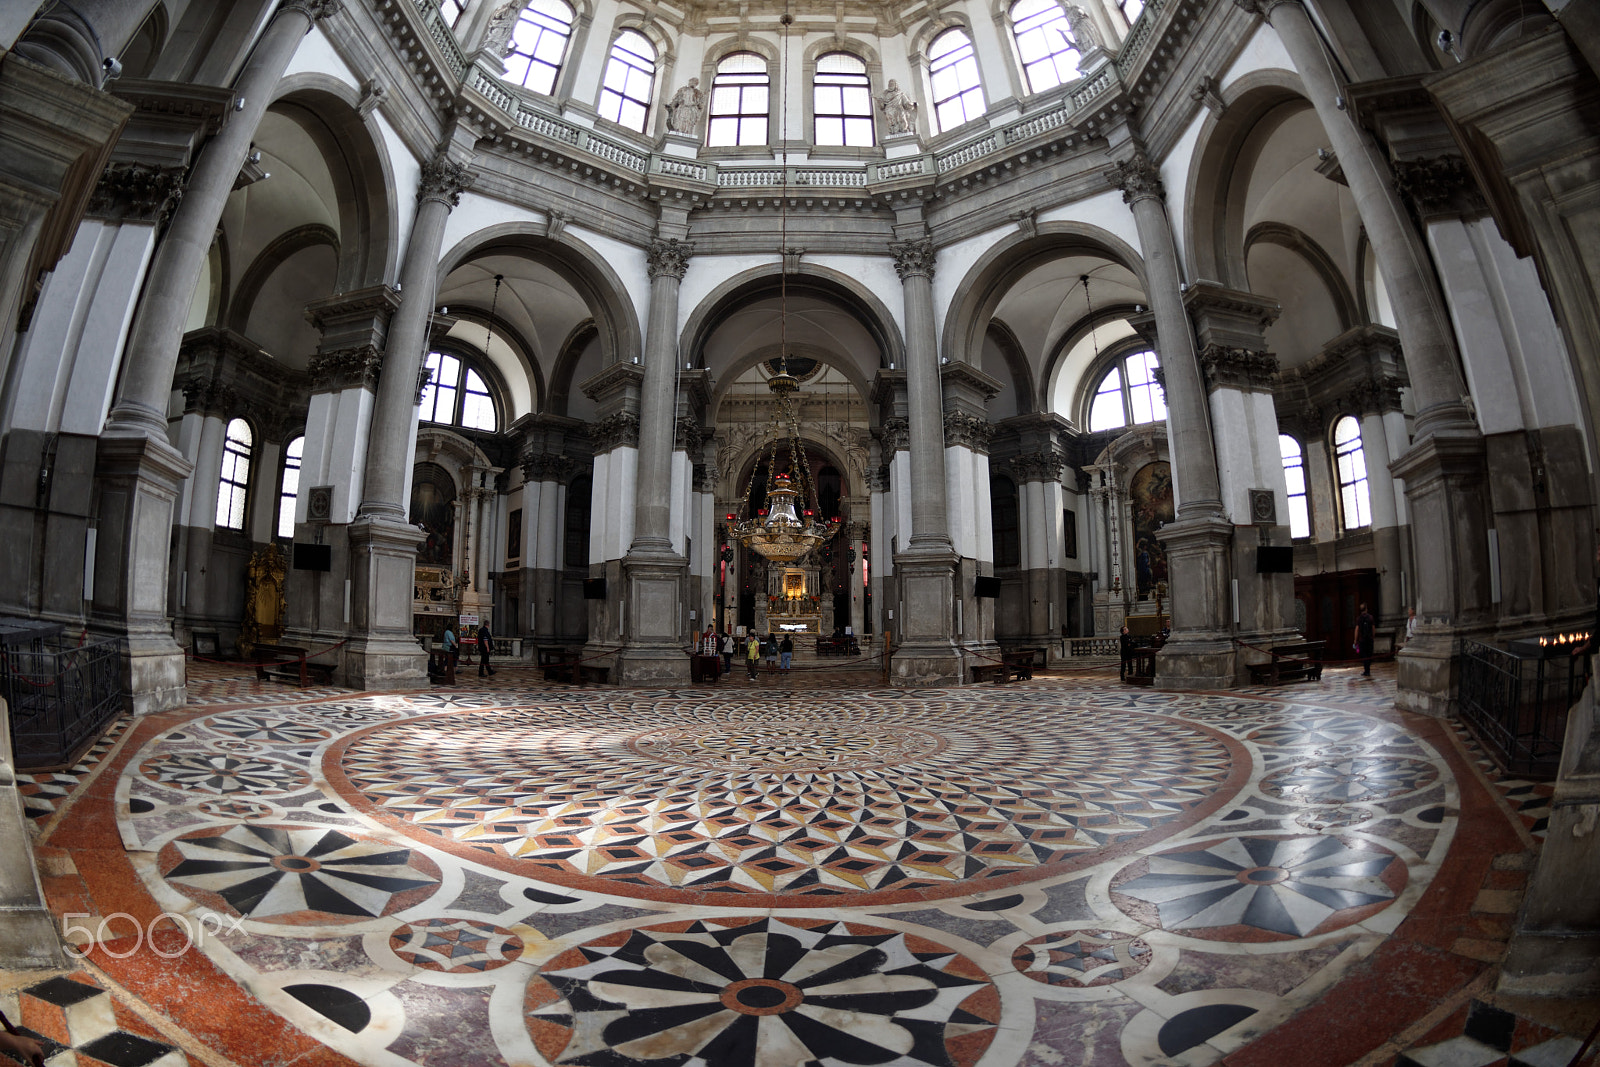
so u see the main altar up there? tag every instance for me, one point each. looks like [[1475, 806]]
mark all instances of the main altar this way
[[794, 602]]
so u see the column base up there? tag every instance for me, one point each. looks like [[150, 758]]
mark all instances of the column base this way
[[155, 674], [382, 653], [654, 646], [28, 936], [1195, 664], [927, 653], [1200, 652]]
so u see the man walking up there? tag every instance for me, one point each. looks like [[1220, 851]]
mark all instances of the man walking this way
[[485, 645], [752, 654]]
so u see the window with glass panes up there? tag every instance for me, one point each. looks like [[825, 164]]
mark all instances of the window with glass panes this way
[[953, 78], [1040, 27], [1128, 394], [1131, 9], [1294, 472], [1350, 464], [235, 482], [291, 486], [451, 10], [739, 95], [841, 102], [629, 79], [456, 394], [538, 45]]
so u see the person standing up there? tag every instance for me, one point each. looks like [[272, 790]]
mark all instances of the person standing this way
[[786, 651], [752, 654], [727, 651], [452, 652], [1411, 624], [770, 650], [485, 646], [1364, 625]]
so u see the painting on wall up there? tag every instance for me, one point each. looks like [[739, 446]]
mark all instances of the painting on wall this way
[[433, 500], [1150, 498]]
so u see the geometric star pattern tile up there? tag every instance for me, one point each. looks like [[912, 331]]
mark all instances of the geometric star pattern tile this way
[[455, 946], [1078, 958], [1273, 886], [770, 809], [762, 992], [204, 773], [296, 875]]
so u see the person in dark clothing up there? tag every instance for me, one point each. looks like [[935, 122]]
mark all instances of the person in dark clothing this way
[[1364, 625], [786, 652], [485, 645]]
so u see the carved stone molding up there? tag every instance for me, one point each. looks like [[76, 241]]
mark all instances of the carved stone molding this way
[[444, 180], [373, 94], [615, 431], [1038, 467], [706, 477], [424, 376], [1374, 396], [895, 434], [970, 431], [668, 257], [1238, 368], [1138, 178], [314, 9], [347, 368], [688, 436], [555, 222], [548, 467], [137, 192], [1261, 7], [878, 479], [210, 398], [913, 258], [1441, 186], [1209, 93]]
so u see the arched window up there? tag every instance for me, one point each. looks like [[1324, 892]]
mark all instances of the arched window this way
[[739, 101], [841, 101], [236, 448], [291, 486], [1128, 394], [456, 395], [451, 10], [538, 44], [1294, 472], [1047, 54], [953, 77], [1350, 461], [1131, 9], [630, 76]]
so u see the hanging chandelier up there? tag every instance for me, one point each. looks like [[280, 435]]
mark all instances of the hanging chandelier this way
[[788, 528]]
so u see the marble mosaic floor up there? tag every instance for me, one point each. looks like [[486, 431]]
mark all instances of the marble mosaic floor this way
[[1061, 872]]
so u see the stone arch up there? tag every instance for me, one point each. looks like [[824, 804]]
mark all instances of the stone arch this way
[[520, 346], [1294, 240], [1212, 235], [277, 251], [326, 109], [759, 282], [1008, 259], [566, 363], [1051, 365], [1010, 349], [581, 266]]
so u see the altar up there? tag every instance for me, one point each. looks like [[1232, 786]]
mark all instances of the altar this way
[[795, 604]]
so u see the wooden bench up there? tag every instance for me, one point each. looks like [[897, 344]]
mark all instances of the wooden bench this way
[[1300, 661], [285, 663], [566, 665], [1010, 668]]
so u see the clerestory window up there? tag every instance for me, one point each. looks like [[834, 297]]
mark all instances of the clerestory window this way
[[1048, 57], [629, 80], [232, 493], [841, 102], [1128, 394], [1350, 465], [456, 395], [953, 78], [739, 101], [539, 45]]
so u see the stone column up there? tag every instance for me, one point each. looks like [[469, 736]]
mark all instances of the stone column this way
[[78, 39], [856, 531], [382, 654], [138, 472], [926, 569], [654, 575], [1445, 468], [1038, 476], [543, 521], [1200, 652]]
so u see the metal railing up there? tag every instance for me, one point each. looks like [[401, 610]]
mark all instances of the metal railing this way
[[1517, 704], [61, 698], [1095, 646]]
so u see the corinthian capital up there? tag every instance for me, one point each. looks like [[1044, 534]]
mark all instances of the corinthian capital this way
[[1261, 7], [444, 180], [912, 258], [313, 9], [1138, 179], [669, 257]]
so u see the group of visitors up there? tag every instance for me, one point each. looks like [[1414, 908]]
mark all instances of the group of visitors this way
[[482, 638], [777, 652]]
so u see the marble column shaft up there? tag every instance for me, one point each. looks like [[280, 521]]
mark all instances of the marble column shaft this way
[[76, 39], [1422, 318], [930, 523], [152, 349], [389, 446], [668, 261]]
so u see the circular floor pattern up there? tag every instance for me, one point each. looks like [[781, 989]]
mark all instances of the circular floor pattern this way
[[743, 992], [1079, 958], [933, 798], [296, 875], [455, 946], [1260, 888]]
